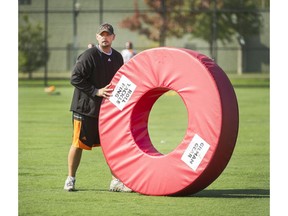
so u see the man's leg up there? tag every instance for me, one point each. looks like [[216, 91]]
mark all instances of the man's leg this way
[[74, 158]]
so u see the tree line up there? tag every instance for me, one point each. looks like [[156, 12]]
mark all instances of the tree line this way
[[210, 20]]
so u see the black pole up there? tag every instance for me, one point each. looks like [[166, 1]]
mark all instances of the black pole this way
[[214, 33], [101, 11], [162, 35], [76, 8], [46, 44]]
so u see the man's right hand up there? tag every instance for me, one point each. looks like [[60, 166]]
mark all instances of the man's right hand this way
[[105, 92]]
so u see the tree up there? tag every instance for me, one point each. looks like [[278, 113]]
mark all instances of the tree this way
[[31, 47], [168, 19], [210, 20], [225, 19]]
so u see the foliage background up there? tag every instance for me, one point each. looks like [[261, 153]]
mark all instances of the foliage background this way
[[61, 27]]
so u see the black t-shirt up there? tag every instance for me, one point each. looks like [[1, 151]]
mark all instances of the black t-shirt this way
[[93, 70]]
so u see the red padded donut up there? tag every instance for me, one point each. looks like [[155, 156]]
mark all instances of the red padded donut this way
[[212, 122]]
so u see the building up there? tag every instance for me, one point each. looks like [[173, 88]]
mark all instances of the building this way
[[71, 25]]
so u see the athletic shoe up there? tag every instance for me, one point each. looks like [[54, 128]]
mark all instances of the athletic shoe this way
[[70, 184], [117, 186]]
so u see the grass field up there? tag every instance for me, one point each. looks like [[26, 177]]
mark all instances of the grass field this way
[[45, 137]]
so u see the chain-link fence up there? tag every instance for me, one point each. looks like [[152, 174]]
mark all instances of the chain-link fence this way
[[71, 24]]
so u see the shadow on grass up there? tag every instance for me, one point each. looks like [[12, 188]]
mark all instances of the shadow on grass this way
[[234, 193], [251, 86], [231, 193], [90, 190], [99, 190]]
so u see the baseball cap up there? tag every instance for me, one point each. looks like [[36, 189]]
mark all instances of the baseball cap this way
[[105, 27]]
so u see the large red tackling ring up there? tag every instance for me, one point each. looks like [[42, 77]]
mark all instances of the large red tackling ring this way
[[212, 129]]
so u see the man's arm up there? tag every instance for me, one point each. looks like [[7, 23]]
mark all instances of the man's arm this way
[[81, 73]]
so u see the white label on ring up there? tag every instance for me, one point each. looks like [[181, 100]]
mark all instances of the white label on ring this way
[[195, 152], [122, 92]]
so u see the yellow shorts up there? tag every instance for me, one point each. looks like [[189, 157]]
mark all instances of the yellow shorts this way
[[85, 132]]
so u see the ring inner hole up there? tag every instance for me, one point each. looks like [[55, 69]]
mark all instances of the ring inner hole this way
[[160, 117]]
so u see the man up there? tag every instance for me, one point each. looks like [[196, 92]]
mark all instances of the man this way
[[128, 52], [91, 77], [91, 45]]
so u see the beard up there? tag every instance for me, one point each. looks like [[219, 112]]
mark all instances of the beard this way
[[105, 44]]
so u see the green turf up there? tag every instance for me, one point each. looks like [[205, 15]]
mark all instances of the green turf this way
[[44, 139]]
